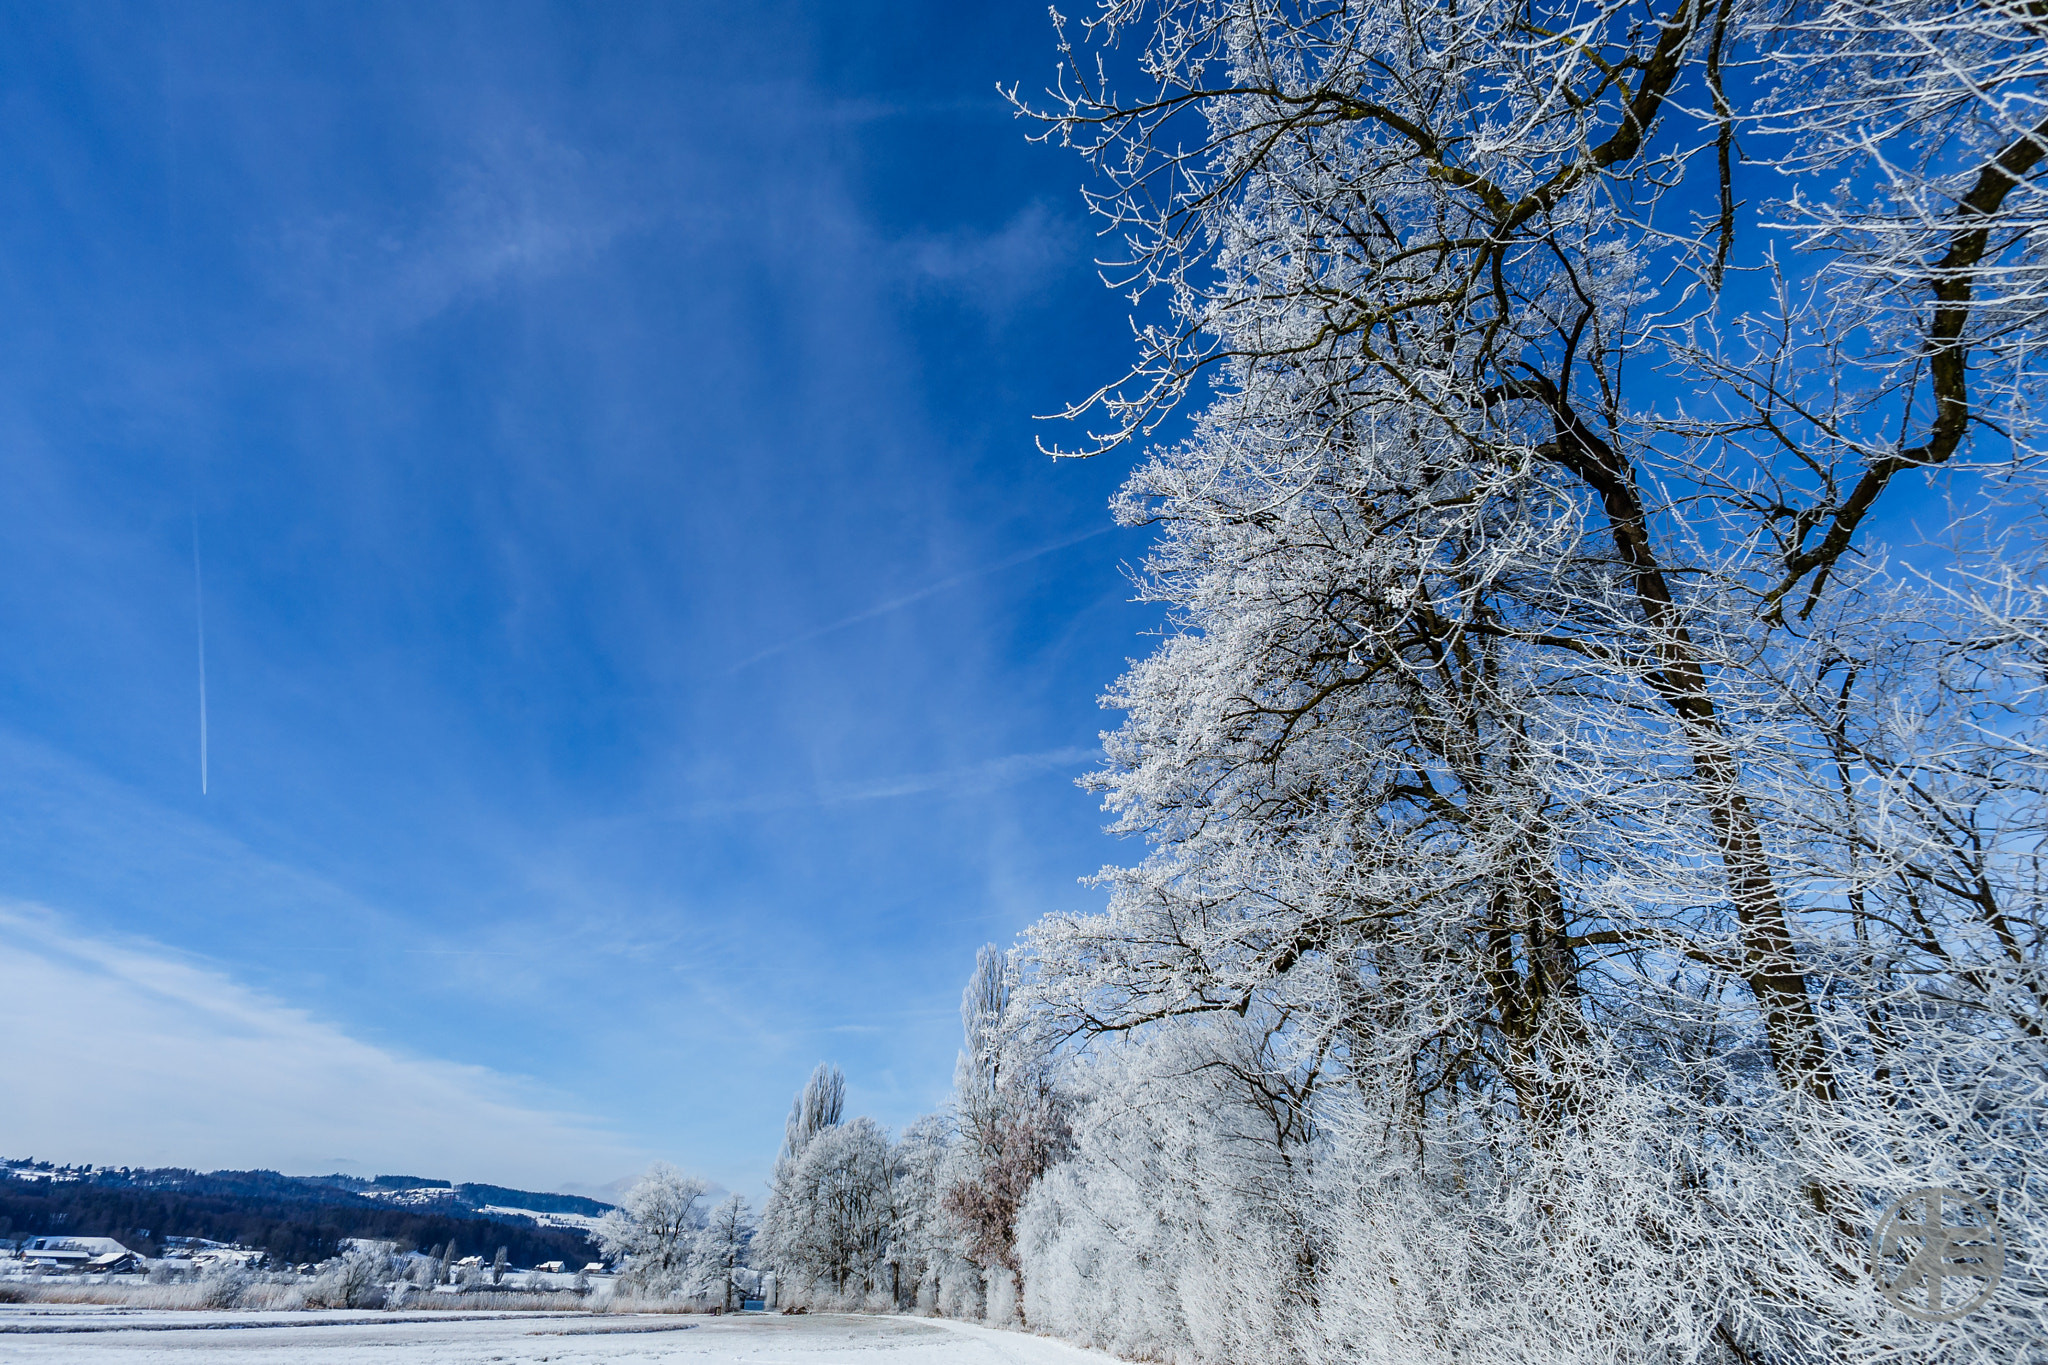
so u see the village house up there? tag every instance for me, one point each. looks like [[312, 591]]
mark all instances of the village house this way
[[99, 1255]]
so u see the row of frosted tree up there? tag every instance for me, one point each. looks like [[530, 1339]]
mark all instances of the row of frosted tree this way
[[855, 1219], [1592, 776], [926, 1221]]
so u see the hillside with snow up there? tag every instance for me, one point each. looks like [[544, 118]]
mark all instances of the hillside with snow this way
[[292, 1218]]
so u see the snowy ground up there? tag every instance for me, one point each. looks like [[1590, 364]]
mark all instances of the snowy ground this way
[[41, 1334]]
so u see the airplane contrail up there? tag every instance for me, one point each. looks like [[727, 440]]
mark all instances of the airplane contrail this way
[[199, 601], [929, 590]]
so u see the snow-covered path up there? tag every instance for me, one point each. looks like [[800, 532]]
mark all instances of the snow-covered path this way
[[85, 1337]]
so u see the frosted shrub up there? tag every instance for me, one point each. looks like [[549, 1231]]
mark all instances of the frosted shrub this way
[[1175, 1231], [961, 1292], [356, 1279], [1002, 1298], [224, 1288]]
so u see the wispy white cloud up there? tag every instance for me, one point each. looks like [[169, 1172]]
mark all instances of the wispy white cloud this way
[[973, 777], [512, 208], [966, 780], [995, 271], [127, 1053], [918, 595]]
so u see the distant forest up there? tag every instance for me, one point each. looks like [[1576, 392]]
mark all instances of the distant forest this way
[[292, 1218]]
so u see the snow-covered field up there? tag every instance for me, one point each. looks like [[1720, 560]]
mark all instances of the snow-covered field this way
[[42, 1334]]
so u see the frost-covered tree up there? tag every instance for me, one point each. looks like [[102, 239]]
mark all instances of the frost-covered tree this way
[[720, 1253], [925, 1242], [978, 1075], [1012, 1122], [816, 1108], [652, 1232], [1624, 864], [838, 1213]]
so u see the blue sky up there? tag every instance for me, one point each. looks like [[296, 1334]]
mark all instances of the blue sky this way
[[645, 653]]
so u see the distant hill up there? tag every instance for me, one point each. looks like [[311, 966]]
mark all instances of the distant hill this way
[[294, 1218]]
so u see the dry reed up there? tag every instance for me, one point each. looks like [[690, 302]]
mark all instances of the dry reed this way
[[261, 1296]]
